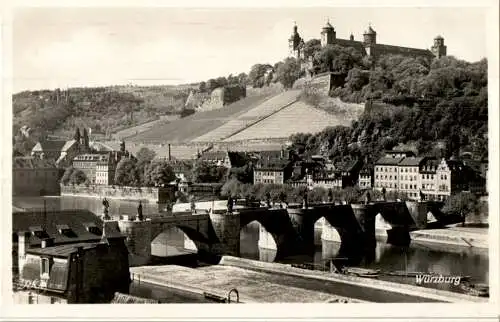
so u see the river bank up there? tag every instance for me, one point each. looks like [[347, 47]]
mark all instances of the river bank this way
[[471, 237], [259, 282]]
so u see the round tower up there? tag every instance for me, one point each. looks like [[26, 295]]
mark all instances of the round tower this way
[[370, 36], [327, 34], [438, 49]]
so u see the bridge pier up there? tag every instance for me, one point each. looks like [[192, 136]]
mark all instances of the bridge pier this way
[[303, 222], [365, 215], [227, 230], [138, 240]]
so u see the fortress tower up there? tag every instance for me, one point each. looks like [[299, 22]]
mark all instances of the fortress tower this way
[[439, 49], [327, 35], [369, 40]]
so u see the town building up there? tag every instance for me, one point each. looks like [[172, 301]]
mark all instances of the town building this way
[[106, 169], [386, 173], [219, 158], [272, 172], [68, 257], [408, 177], [34, 176], [98, 168], [48, 149], [427, 174], [365, 178], [69, 150]]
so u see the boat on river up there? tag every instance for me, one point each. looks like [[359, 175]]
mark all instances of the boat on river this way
[[475, 289], [361, 272]]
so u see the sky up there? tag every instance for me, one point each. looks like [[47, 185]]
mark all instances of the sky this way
[[68, 47]]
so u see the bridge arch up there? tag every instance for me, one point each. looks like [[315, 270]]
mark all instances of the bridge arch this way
[[177, 239], [275, 229]]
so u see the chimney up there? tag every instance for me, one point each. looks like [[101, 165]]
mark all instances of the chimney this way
[[47, 242], [169, 153]]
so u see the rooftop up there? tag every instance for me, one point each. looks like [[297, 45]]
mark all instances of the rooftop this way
[[47, 226], [49, 145], [60, 250], [411, 162], [388, 161]]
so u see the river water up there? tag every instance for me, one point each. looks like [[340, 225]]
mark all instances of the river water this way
[[449, 260]]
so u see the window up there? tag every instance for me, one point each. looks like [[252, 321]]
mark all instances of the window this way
[[45, 266]]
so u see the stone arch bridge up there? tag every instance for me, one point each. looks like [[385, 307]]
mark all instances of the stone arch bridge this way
[[292, 229]]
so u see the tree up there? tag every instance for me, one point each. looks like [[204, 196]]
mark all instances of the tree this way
[[204, 172], [202, 87], [145, 155], [85, 138], [77, 135], [288, 72], [311, 47], [158, 174], [126, 173], [77, 177], [257, 75], [232, 188], [463, 203]]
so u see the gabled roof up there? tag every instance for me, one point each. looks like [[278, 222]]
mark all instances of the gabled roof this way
[[49, 146]]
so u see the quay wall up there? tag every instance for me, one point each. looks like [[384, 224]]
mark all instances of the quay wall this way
[[150, 194]]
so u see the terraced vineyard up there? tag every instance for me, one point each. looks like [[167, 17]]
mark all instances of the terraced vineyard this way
[[296, 118], [198, 124], [249, 118]]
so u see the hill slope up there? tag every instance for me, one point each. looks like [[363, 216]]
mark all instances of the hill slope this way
[[198, 124], [296, 118]]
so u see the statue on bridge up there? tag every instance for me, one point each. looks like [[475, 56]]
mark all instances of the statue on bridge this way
[[330, 195], [305, 204], [268, 199], [383, 193], [105, 211], [367, 198], [422, 196], [193, 204], [140, 217], [230, 204]]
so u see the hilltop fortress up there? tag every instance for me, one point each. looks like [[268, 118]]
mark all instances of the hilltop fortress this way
[[367, 47]]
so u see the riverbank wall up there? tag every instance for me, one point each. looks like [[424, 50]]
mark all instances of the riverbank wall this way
[[148, 194]]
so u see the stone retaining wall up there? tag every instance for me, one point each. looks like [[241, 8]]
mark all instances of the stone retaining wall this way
[[150, 194]]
